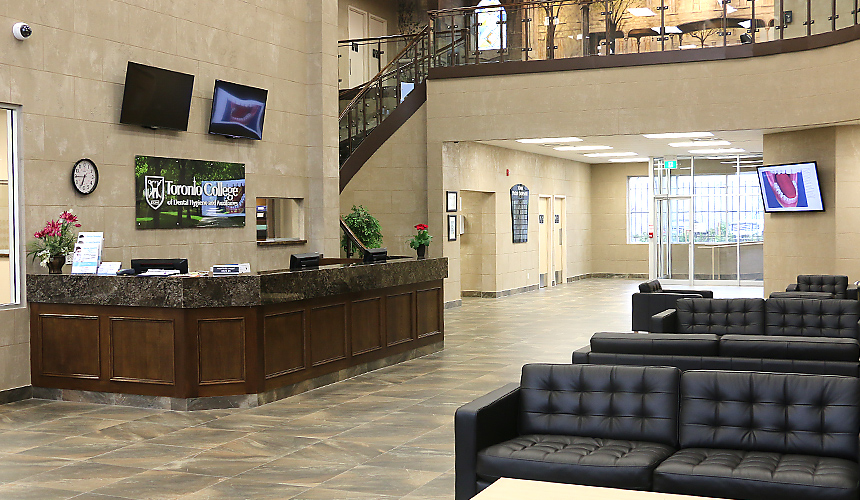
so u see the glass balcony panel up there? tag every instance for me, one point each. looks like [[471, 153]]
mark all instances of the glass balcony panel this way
[[697, 24], [637, 25], [845, 13], [795, 18], [766, 12], [820, 16], [516, 39]]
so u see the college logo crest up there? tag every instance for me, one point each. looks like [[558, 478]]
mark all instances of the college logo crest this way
[[153, 191]]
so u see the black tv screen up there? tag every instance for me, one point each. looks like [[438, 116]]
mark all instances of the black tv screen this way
[[238, 110], [156, 98], [790, 188]]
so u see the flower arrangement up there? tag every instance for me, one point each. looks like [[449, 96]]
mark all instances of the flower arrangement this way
[[55, 238], [422, 238]]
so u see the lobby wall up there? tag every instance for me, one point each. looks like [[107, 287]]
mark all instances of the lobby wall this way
[[392, 186], [483, 169], [68, 80], [610, 252]]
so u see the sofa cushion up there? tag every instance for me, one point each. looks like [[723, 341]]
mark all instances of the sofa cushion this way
[[801, 295], [720, 316], [650, 286], [756, 475], [784, 347], [574, 459], [636, 403], [812, 318], [656, 343], [835, 284], [771, 412]]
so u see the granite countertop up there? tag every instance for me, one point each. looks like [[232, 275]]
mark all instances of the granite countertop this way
[[230, 291]]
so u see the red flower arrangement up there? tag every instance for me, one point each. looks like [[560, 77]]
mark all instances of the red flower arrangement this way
[[55, 238], [422, 238]]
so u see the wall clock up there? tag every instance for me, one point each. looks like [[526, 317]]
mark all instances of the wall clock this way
[[85, 176]]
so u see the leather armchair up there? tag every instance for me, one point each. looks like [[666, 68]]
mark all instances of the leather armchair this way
[[653, 298], [834, 284]]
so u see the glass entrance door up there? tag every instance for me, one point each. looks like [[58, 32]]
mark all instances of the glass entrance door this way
[[673, 204]]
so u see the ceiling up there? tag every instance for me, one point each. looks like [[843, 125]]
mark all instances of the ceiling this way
[[748, 140]]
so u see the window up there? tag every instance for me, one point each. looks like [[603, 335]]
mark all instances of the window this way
[[280, 220], [491, 23], [10, 272], [728, 209], [638, 196]]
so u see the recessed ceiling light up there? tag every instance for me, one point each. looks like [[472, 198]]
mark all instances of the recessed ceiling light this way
[[717, 151], [670, 30], [694, 144], [691, 46], [678, 135], [744, 162], [606, 155], [550, 140], [581, 148], [641, 11], [629, 160]]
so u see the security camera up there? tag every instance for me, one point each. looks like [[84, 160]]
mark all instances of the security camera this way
[[22, 31]]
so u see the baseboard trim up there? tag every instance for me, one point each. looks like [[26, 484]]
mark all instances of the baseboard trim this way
[[16, 394]]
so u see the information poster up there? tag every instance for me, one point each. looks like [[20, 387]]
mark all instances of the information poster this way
[[520, 213], [88, 252], [173, 193]]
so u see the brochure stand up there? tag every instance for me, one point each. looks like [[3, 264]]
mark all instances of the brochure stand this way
[[88, 252]]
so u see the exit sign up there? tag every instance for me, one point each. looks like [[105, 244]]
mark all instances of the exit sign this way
[[670, 164]]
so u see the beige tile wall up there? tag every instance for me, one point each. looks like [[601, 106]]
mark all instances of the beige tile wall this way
[[478, 243], [392, 186], [610, 252], [490, 169], [68, 80]]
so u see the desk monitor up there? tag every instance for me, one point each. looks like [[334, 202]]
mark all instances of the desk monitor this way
[[143, 265], [372, 255], [299, 261]]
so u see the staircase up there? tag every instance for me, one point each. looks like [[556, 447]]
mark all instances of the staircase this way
[[372, 112]]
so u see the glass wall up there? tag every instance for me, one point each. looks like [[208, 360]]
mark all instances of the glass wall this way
[[9, 258]]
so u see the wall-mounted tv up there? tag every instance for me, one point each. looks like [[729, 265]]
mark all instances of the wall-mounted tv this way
[[238, 110], [791, 187], [156, 98]]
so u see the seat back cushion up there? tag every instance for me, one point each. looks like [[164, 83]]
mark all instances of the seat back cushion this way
[[721, 316], [636, 403], [650, 287], [779, 347], [837, 285], [812, 318], [656, 343], [771, 412]]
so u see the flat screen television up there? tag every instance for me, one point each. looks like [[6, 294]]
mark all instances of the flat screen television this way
[[791, 187], [238, 110], [156, 98], [143, 265]]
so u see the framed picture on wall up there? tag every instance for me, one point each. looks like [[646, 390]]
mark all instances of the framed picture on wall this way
[[451, 201], [452, 228]]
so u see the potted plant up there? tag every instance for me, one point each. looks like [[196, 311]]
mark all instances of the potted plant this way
[[365, 227], [54, 242], [420, 241]]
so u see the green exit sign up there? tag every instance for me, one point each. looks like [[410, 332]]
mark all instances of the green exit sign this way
[[670, 164]]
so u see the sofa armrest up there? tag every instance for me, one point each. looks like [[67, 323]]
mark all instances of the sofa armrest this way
[[664, 322], [488, 420], [705, 294], [852, 292], [791, 288], [580, 356]]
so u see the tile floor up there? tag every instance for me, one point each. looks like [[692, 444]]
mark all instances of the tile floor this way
[[383, 435]]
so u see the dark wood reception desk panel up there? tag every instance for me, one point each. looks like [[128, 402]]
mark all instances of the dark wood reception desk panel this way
[[194, 352]]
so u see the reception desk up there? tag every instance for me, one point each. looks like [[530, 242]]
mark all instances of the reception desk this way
[[209, 342]]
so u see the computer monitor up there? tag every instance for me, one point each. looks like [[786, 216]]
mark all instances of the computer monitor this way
[[143, 265], [372, 255], [299, 261]]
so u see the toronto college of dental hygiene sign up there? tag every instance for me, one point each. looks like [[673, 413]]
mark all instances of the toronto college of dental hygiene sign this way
[[174, 193]]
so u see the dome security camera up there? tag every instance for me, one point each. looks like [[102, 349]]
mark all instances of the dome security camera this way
[[22, 31]]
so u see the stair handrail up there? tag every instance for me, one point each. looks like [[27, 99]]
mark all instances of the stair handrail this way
[[418, 36], [350, 235]]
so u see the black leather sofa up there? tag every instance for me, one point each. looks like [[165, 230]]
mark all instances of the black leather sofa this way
[[837, 285], [745, 435], [652, 298], [781, 335]]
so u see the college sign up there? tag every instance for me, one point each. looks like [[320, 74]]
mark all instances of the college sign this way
[[177, 193]]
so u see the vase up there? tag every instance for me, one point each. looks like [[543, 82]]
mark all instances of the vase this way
[[422, 249], [56, 263]]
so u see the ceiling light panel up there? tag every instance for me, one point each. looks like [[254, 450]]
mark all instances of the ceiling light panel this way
[[717, 151], [608, 155], [695, 144], [550, 140], [678, 135], [629, 160], [581, 148], [641, 11]]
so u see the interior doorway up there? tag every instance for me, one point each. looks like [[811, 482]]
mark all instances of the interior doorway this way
[[544, 240], [478, 243], [358, 52], [552, 245]]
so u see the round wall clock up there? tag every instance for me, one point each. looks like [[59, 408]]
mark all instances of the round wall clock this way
[[85, 176]]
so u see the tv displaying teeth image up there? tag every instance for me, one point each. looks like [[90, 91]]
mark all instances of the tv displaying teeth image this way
[[790, 188]]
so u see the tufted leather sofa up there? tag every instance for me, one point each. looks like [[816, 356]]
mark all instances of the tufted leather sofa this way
[[778, 334], [833, 284], [755, 436], [653, 298]]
